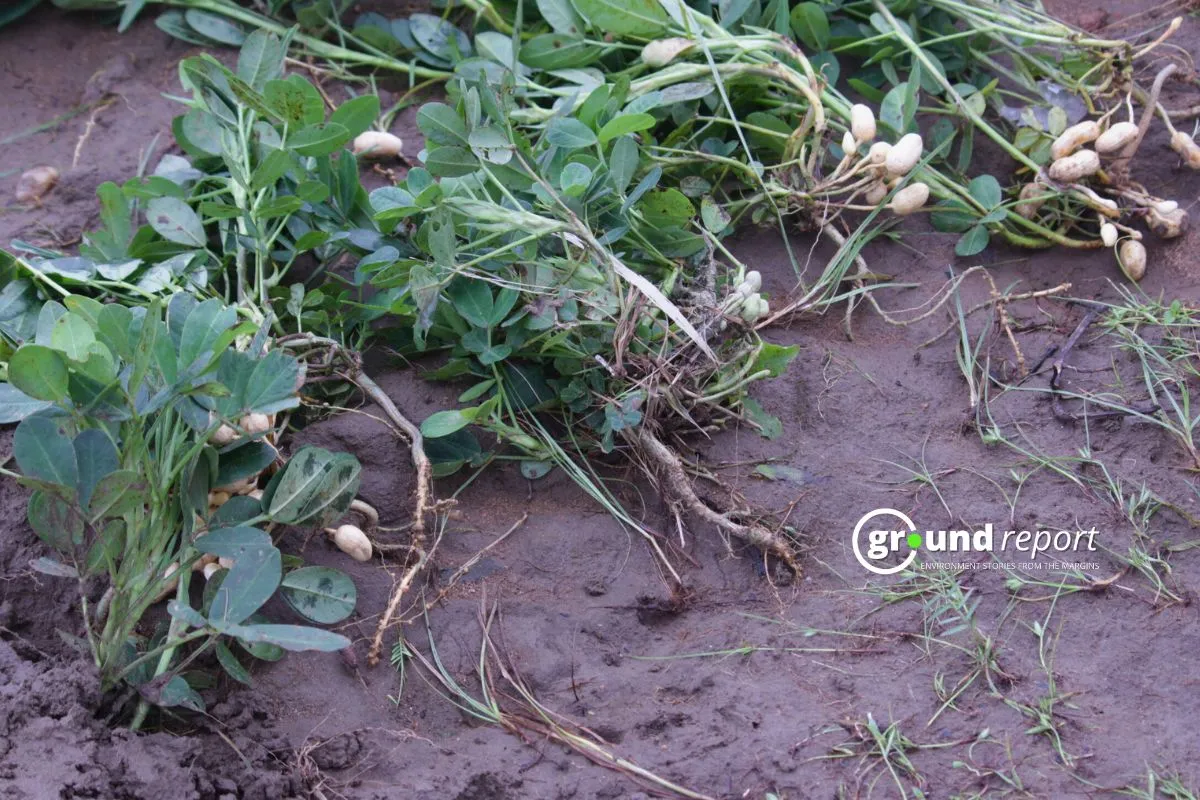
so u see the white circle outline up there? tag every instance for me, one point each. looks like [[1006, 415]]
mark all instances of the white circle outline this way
[[870, 515]]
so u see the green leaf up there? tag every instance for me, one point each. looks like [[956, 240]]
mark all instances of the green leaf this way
[[319, 140], [316, 486], [116, 494], [972, 242], [451, 162], [243, 461], [186, 614], [39, 372], [44, 451], [952, 216], [261, 59], [269, 170], [626, 123], [716, 218], [357, 115], [643, 18], [16, 10], [769, 426], [891, 111], [213, 26], [439, 37], [472, 300], [232, 542], [535, 470], [291, 637], [202, 330], [569, 134], [810, 25], [262, 650], [552, 51], [177, 693], [235, 511], [199, 133], [295, 100], [732, 12], [72, 335], [775, 358], [441, 124], [15, 405], [444, 423], [666, 208], [175, 221], [229, 662], [96, 457], [271, 386], [54, 521], [575, 179], [869, 92], [622, 164], [490, 144], [986, 190], [477, 391], [560, 16], [251, 581], [322, 594], [173, 22]]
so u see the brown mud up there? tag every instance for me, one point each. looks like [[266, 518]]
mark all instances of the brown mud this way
[[745, 688]]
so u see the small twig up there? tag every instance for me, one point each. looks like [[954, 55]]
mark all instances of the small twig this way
[[1057, 368], [1008, 298], [1006, 326], [88, 127]]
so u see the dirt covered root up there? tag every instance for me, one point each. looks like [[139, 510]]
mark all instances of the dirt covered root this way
[[676, 488]]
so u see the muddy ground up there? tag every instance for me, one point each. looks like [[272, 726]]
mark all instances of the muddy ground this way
[[748, 687]]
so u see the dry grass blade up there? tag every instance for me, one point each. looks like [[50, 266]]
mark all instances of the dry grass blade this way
[[526, 717]]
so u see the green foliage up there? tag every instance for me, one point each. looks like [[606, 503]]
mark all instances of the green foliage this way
[[117, 454]]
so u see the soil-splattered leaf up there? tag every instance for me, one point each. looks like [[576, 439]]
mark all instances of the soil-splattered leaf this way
[[322, 594], [316, 486]]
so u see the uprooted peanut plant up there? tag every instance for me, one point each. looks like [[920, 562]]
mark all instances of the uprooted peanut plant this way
[[560, 246]]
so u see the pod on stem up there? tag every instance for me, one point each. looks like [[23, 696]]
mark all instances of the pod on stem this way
[[904, 155], [1116, 137], [1069, 169], [1131, 257], [1074, 138], [909, 199], [1187, 148], [352, 541], [862, 123]]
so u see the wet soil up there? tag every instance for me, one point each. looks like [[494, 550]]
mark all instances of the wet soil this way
[[744, 688]]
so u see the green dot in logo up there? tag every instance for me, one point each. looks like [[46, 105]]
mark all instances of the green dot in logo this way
[[914, 540]]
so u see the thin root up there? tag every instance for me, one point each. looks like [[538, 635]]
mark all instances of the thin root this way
[[677, 488]]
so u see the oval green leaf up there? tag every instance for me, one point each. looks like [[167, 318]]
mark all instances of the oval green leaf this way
[[39, 372], [322, 594]]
